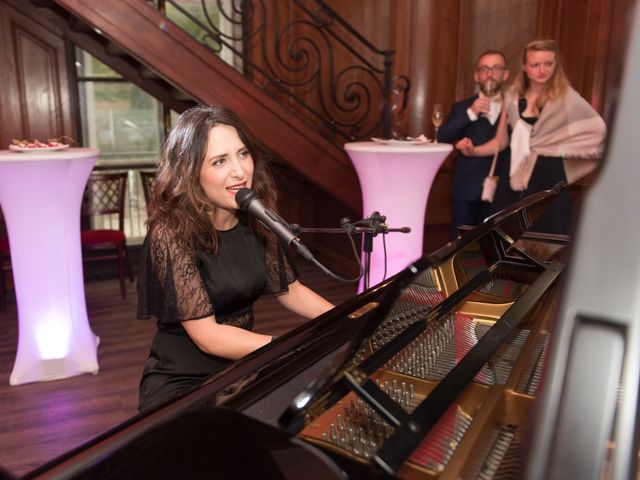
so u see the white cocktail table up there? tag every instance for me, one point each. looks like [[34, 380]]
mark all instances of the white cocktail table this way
[[41, 196], [395, 179]]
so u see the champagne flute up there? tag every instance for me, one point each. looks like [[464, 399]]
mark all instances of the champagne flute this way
[[490, 87], [437, 117]]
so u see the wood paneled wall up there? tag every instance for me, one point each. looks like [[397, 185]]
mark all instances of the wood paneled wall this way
[[591, 35], [34, 98], [497, 25]]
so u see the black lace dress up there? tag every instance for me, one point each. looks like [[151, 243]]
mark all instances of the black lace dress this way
[[177, 285]]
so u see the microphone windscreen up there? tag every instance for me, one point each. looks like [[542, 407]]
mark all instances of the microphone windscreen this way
[[244, 197]]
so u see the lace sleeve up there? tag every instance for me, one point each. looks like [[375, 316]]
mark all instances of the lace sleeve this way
[[169, 285], [280, 270]]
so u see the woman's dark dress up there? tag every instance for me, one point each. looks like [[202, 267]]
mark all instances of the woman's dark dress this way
[[547, 172], [177, 285]]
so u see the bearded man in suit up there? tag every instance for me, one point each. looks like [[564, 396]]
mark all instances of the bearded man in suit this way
[[475, 120]]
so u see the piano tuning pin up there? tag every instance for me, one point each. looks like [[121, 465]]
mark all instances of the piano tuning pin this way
[[333, 433], [356, 447], [340, 422]]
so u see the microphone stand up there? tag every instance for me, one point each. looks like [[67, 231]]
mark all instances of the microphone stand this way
[[369, 227]]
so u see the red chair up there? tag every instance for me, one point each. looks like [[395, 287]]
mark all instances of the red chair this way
[[104, 199]]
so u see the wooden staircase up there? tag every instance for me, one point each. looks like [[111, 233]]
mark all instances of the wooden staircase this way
[[136, 40]]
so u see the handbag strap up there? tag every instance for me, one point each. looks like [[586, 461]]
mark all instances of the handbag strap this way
[[493, 163]]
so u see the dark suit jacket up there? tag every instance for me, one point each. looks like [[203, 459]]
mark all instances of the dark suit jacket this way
[[469, 172]]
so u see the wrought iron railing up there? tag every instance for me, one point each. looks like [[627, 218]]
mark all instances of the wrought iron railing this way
[[305, 55]]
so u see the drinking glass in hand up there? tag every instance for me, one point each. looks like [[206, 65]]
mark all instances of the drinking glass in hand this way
[[437, 117], [490, 87]]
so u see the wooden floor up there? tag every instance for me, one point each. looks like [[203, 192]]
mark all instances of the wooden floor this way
[[40, 421]]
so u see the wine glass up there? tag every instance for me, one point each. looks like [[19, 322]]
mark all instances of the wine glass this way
[[490, 87], [437, 117]]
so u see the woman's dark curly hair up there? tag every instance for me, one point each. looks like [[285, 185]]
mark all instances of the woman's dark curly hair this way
[[178, 199]]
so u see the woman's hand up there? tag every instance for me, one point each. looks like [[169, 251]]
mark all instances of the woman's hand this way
[[466, 147], [498, 143]]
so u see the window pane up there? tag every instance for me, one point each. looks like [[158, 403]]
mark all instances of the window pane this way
[[194, 9], [174, 118], [89, 66], [219, 18], [120, 119]]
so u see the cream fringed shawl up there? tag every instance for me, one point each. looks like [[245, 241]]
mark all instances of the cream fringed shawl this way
[[568, 127]]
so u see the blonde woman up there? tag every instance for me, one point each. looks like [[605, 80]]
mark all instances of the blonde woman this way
[[555, 135]]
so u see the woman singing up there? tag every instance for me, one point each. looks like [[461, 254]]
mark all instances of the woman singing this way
[[204, 262]]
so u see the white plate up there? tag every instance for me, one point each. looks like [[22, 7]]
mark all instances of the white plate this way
[[400, 143], [16, 148]]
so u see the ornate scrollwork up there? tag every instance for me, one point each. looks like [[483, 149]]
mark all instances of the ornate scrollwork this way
[[304, 54]]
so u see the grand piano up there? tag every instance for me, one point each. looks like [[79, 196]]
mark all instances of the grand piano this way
[[432, 373], [485, 359]]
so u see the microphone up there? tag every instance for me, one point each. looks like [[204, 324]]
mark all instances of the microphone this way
[[250, 203]]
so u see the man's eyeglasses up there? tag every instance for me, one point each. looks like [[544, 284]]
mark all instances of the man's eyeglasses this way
[[495, 69]]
